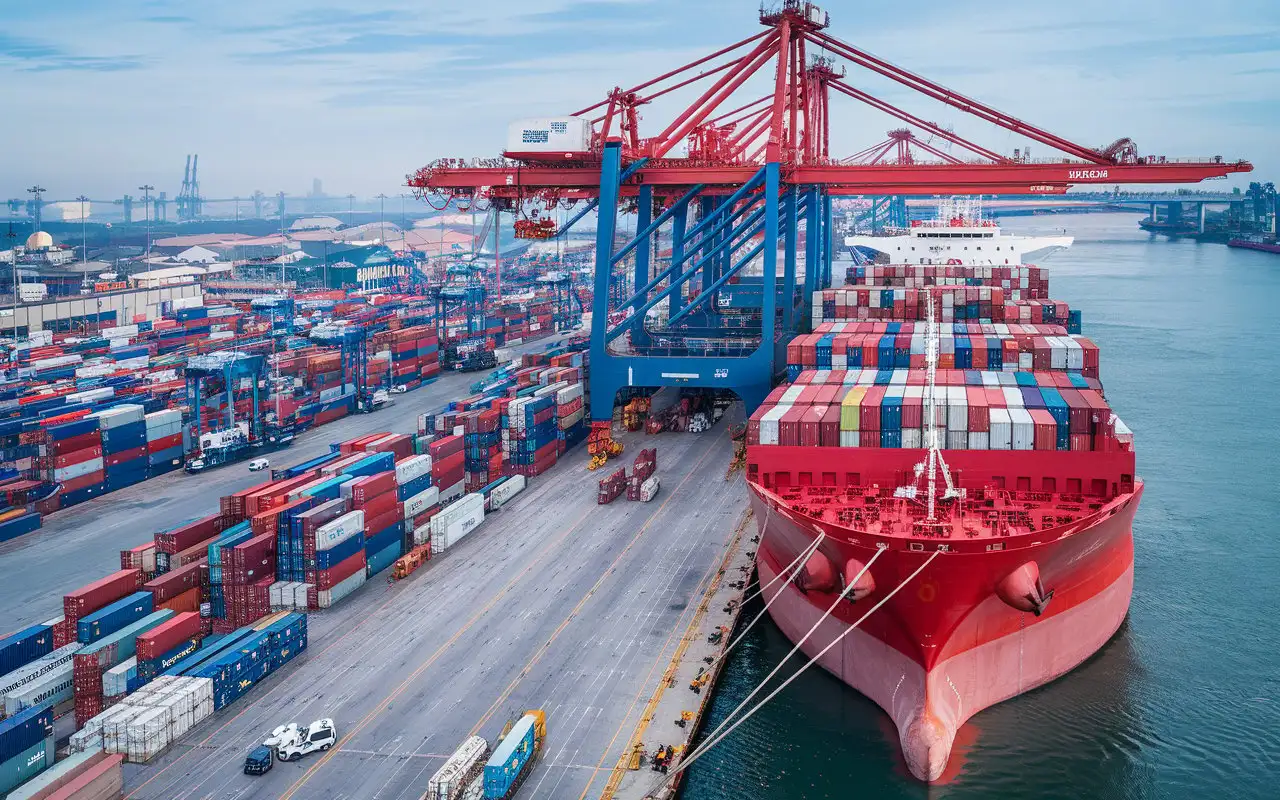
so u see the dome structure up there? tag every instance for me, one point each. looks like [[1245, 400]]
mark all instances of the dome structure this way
[[39, 241]]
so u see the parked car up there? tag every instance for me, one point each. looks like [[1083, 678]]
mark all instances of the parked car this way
[[259, 464], [259, 761]]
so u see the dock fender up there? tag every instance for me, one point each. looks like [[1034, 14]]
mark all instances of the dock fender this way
[[1023, 590], [865, 585], [818, 574]]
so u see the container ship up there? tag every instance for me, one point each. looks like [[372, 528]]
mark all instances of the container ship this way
[[945, 499]]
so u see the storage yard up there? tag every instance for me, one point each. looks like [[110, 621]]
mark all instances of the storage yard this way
[[554, 603], [78, 544]]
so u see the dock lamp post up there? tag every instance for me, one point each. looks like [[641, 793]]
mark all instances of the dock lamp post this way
[[146, 190]]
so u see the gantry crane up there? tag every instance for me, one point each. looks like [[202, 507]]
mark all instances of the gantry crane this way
[[759, 172]]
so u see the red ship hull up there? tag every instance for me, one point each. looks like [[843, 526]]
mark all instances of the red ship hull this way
[[1266, 247], [947, 645]]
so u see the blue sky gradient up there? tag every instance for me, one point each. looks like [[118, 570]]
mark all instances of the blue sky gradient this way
[[103, 97]]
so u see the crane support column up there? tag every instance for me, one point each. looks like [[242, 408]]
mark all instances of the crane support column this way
[[643, 253], [813, 235], [791, 207], [745, 362]]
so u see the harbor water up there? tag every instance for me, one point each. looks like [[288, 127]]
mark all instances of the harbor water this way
[[1184, 702]]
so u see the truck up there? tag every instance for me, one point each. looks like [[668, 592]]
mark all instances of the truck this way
[[458, 777], [513, 758], [232, 444], [291, 742]]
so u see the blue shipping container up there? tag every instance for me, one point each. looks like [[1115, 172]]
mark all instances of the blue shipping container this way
[[113, 617], [24, 730], [510, 759], [21, 648], [19, 526], [340, 552], [379, 561]]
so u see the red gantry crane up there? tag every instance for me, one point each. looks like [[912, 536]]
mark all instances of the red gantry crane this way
[[758, 170]]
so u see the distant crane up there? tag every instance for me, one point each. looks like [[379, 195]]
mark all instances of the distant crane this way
[[189, 200]]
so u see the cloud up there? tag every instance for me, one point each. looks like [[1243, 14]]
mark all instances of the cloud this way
[[272, 94]]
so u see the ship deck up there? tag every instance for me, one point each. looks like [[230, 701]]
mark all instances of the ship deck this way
[[984, 514]]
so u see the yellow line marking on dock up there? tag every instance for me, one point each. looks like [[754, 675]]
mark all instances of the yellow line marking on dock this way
[[506, 693], [716, 573]]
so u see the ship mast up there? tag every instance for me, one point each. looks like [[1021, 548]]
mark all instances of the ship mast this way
[[933, 462]]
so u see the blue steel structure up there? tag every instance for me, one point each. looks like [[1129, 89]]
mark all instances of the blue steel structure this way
[[353, 344], [232, 367], [566, 304], [736, 227]]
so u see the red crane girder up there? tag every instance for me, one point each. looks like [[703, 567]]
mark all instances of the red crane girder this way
[[791, 126]]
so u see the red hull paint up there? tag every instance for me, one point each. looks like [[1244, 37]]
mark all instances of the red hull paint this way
[[1265, 247], [947, 646]]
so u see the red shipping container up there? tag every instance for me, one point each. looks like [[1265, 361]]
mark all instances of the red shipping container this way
[[167, 635], [328, 578], [75, 443], [378, 524], [1046, 429], [88, 599], [366, 490], [447, 465], [77, 457], [175, 582], [136, 453], [380, 507], [445, 447], [91, 479], [164, 443], [868, 438], [251, 561], [192, 533], [187, 601]]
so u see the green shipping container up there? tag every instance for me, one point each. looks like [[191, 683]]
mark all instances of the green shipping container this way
[[25, 766]]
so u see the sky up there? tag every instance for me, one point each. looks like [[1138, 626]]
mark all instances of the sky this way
[[102, 97]]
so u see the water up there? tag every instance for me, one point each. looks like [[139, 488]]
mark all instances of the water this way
[[1185, 700]]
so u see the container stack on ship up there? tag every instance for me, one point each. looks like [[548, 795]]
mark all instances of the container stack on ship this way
[[1021, 519]]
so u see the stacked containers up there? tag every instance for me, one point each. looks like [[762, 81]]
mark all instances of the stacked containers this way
[[248, 570], [166, 644], [531, 440], [340, 561], [482, 442], [448, 470], [26, 746], [73, 458], [216, 551], [376, 497], [124, 445], [164, 441]]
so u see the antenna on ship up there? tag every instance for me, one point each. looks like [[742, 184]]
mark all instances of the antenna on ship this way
[[933, 462]]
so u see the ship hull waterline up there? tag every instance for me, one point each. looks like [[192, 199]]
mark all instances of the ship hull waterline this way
[[947, 646]]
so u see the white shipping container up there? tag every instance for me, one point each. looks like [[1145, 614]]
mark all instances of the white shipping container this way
[[339, 530], [448, 782], [52, 687], [1024, 429], [570, 393], [851, 439], [1001, 434], [769, 424], [451, 493], [549, 135], [167, 417], [413, 468], [77, 470], [445, 536], [1075, 354], [509, 489], [957, 414], [957, 440], [573, 419], [117, 416], [421, 502], [912, 438], [649, 489], [41, 666], [326, 598], [115, 681], [979, 441]]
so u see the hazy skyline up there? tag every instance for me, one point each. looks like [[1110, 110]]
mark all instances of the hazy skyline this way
[[103, 97]]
